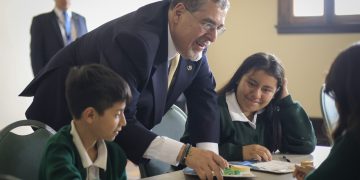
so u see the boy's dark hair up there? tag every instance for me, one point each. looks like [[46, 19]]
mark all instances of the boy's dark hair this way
[[94, 86]]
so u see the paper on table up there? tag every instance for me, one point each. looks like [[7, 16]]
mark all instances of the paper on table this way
[[189, 171], [273, 166]]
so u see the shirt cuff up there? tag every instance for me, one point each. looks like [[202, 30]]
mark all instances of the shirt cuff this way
[[209, 146], [164, 149]]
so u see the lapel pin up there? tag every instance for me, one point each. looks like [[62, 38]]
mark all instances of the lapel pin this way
[[189, 67]]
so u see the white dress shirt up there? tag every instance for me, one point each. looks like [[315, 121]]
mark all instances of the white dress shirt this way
[[61, 23]]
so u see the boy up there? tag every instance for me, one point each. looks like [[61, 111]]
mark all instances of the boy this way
[[96, 97]]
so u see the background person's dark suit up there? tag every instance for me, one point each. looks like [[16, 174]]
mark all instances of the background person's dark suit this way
[[135, 46], [46, 37]]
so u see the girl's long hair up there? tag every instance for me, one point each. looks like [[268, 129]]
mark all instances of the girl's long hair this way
[[343, 84], [271, 65]]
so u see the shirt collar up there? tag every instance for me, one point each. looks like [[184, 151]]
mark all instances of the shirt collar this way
[[101, 159], [172, 52], [59, 13], [236, 113]]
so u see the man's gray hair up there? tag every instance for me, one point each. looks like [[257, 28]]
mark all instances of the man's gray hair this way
[[194, 5]]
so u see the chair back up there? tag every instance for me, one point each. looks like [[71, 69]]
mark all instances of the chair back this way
[[329, 112], [20, 155], [173, 126]]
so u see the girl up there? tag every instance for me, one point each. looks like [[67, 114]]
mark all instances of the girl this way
[[343, 84], [258, 115]]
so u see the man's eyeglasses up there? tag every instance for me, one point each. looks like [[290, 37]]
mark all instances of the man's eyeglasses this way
[[209, 26]]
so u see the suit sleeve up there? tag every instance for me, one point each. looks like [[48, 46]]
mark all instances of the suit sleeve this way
[[36, 46], [203, 116], [133, 62]]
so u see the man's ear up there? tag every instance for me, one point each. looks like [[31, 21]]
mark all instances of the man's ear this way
[[177, 11], [89, 114]]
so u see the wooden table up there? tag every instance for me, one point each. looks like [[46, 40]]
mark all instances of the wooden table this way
[[318, 156]]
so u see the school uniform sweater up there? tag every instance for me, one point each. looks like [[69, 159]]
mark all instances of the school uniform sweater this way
[[61, 160], [342, 162], [298, 135]]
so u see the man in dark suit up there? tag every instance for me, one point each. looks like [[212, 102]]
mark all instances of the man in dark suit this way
[[51, 31], [139, 47]]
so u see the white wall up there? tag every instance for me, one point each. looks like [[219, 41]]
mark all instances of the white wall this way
[[15, 21]]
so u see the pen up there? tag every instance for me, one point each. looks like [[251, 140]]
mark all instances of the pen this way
[[286, 159]]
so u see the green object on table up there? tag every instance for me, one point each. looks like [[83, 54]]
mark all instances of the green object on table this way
[[230, 171]]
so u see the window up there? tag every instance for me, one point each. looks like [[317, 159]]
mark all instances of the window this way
[[318, 16]]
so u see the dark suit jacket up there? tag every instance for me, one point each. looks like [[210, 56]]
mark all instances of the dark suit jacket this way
[[135, 46], [46, 38]]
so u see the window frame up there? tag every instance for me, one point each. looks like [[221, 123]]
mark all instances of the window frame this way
[[328, 23]]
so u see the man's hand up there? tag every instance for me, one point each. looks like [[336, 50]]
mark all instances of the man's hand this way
[[206, 163], [256, 152]]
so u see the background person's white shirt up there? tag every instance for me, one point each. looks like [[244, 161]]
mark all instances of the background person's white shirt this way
[[61, 23]]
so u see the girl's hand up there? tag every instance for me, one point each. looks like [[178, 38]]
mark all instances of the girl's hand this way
[[256, 152], [285, 91]]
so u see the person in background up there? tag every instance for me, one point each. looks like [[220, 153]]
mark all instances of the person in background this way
[[258, 115], [159, 50], [343, 84], [96, 97], [51, 31]]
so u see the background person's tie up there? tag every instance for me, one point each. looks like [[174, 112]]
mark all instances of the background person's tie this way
[[173, 65], [67, 27]]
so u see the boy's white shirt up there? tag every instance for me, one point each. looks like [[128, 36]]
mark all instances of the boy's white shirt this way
[[92, 168]]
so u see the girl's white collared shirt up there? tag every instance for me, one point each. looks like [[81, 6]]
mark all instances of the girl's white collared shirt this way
[[236, 112]]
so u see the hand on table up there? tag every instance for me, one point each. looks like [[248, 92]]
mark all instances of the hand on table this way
[[206, 163], [256, 152]]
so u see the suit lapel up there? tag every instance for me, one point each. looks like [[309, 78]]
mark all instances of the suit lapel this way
[[184, 74], [55, 26], [159, 82], [160, 78]]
